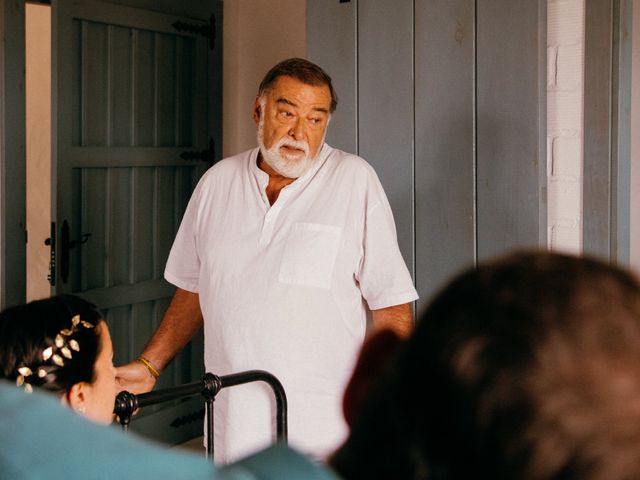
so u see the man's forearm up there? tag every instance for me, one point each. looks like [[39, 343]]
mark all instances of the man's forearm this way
[[397, 318], [181, 321]]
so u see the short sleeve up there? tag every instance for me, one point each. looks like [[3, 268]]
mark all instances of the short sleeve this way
[[183, 264], [383, 275]]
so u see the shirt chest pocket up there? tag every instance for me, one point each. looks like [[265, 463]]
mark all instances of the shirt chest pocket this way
[[309, 254]]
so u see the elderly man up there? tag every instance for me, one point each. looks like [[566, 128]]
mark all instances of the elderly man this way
[[282, 250]]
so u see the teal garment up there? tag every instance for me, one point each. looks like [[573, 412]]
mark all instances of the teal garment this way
[[42, 439], [277, 462]]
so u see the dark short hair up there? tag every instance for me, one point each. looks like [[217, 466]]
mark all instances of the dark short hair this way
[[527, 367], [27, 330], [300, 69]]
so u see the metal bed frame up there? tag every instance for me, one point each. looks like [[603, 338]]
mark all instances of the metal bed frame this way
[[127, 403]]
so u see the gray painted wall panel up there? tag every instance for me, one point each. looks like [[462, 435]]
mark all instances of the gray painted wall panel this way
[[510, 154], [444, 130], [479, 135], [332, 44], [385, 106], [597, 136]]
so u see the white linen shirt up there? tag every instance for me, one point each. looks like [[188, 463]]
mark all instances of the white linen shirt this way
[[283, 288]]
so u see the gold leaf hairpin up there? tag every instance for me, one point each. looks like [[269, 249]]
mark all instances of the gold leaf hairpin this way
[[62, 348]]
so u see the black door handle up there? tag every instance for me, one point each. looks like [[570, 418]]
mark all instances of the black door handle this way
[[65, 245]]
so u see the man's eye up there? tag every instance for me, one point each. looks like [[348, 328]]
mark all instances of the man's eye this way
[[286, 114]]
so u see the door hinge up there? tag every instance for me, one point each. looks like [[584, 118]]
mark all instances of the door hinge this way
[[207, 155], [206, 30]]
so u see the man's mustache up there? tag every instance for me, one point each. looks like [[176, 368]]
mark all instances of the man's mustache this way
[[299, 145]]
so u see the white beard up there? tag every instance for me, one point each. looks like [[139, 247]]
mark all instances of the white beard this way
[[290, 166]]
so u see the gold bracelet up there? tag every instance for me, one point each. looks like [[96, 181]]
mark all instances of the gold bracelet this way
[[152, 370]]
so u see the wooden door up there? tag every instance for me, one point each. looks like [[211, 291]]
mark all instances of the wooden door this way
[[131, 94]]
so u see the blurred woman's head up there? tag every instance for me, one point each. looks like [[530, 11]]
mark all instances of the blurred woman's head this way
[[61, 345]]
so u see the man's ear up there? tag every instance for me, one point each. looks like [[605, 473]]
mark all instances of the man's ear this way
[[256, 111], [377, 352]]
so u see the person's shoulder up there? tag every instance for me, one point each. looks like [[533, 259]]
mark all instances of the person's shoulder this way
[[352, 169], [230, 165], [278, 461], [225, 170], [346, 162], [38, 422]]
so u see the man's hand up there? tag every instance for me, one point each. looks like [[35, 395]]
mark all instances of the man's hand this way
[[180, 322], [135, 378]]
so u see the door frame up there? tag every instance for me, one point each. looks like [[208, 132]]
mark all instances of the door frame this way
[[12, 154], [607, 129]]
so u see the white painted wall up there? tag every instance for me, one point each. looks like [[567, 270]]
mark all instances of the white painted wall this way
[[565, 92], [257, 34], [38, 146]]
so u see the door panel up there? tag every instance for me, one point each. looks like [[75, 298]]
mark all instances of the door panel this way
[[450, 108], [385, 67], [130, 95], [444, 142]]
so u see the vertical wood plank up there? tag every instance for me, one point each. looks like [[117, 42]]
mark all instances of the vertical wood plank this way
[[164, 215], [597, 136], [445, 141], [142, 326], [133, 80], [156, 81], [177, 91], [77, 92], [94, 84], [12, 153], [511, 126], [385, 107], [186, 110], [119, 326], [607, 135], [142, 218], [120, 86], [332, 44], [166, 90], [94, 184], [622, 132], [145, 87], [119, 224], [108, 141]]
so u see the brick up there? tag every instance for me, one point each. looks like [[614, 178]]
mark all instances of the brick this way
[[565, 239], [566, 157], [564, 200], [570, 67], [564, 111], [565, 22]]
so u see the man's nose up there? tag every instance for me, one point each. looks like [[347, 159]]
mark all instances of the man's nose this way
[[297, 130]]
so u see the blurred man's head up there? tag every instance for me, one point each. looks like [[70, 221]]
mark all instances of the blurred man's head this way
[[524, 368]]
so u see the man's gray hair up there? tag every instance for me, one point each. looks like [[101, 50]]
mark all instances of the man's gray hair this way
[[302, 70]]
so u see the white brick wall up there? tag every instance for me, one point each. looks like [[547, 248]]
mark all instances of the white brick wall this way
[[565, 52]]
